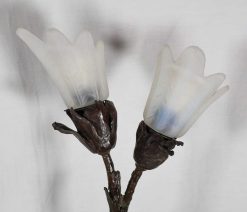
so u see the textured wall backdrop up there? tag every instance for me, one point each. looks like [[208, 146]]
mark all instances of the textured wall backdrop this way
[[44, 171]]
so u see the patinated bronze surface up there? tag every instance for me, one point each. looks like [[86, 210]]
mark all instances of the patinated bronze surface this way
[[96, 126], [97, 130], [152, 148]]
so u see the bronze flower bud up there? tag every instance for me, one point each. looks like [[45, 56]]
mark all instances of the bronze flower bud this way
[[96, 126], [152, 148]]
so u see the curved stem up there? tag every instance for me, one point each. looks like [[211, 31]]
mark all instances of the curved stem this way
[[114, 186], [117, 202], [135, 176], [108, 164]]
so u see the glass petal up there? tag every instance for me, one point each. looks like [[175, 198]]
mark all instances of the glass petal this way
[[200, 110], [192, 60], [215, 80], [84, 43], [39, 48], [55, 37], [101, 75], [160, 85], [73, 68], [200, 95], [178, 93]]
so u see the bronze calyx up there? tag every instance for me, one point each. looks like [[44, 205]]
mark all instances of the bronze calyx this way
[[152, 148], [96, 126]]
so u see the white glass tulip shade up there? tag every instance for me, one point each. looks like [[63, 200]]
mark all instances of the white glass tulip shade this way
[[77, 68], [180, 92]]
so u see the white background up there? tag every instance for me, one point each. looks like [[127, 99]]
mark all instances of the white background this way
[[42, 170]]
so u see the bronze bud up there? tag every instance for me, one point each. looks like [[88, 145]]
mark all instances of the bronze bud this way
[[152, 148], [96, 126]]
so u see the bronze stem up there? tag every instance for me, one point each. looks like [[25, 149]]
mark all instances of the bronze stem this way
[[135, 176]]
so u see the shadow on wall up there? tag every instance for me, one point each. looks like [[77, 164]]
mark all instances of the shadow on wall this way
[[118, 38], [153, 41], [122, 39], [31, 82], [237, 112]]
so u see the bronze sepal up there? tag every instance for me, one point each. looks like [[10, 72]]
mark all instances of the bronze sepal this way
[[96, 126]]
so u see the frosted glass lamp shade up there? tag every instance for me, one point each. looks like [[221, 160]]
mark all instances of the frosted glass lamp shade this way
[[77, 68], [180, 92]]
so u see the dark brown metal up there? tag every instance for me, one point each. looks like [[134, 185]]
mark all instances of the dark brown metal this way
[[114, 180], [122, 204], [96, 126], [136, 175], [96, 129], [152, 148]]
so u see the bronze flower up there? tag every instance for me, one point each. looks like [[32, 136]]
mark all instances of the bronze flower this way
[[152, 148], [96, 126]]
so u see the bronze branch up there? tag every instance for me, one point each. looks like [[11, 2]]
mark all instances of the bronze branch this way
[[97, 130]]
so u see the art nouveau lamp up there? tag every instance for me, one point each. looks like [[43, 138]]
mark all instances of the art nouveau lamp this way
[[180, 93]]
